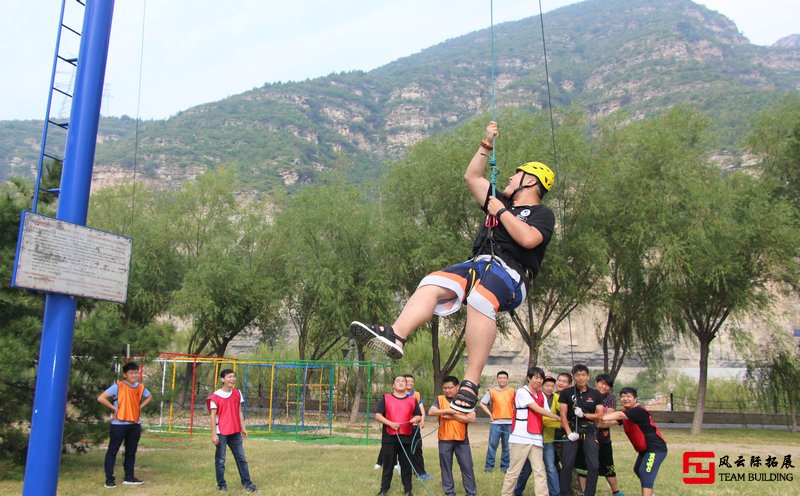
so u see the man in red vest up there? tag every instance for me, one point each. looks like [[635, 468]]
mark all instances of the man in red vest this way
[[125, 398], [397, 412], [453, 439], [527, 429], [227, 429]]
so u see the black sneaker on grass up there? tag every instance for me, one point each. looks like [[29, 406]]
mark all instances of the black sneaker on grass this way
[[110, 484], [379, 338], [133, 481], [250, 488]]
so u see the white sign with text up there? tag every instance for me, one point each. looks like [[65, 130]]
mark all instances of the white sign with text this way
[[60, 257]]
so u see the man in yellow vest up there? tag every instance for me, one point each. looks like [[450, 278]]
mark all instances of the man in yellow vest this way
[[125, 398], [453, 439], [501, 397], [417, 458]]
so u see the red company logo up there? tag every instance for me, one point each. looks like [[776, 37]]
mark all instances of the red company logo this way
[[702, 475]]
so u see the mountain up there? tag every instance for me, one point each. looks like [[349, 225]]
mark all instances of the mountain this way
[[640, 56]]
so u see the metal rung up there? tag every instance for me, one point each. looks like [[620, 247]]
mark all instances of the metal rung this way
[[69, 28], [63, 92], [72, 60], [52, 157], [55, 191], [62, 125]]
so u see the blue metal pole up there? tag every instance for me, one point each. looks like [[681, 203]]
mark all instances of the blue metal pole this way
[[50, 398]]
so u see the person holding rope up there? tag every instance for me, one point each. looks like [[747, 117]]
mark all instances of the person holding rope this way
[[453, 439], [397, 412], [580, 407], [527, 440], [417, 458], [644, 436], [507, 254]]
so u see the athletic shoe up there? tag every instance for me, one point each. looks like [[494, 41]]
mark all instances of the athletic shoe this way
[[222, 488], [133, 481], [251, 488], [110, 484], [382, 493], [377, 466], [379, 338]]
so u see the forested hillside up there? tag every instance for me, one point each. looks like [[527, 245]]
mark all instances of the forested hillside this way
[[638, 56]]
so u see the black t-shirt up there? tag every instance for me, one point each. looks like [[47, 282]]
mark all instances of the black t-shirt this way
[[588, 401], [517, 257], [644, 421], [390, 438]]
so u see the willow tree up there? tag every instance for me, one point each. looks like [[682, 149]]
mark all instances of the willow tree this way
[[738, 247]]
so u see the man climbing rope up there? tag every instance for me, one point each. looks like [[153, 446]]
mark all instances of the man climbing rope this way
[[506, 257]]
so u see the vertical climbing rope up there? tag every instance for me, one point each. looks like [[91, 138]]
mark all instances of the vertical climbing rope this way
[[559, 193], [138, 119], [491, 220]]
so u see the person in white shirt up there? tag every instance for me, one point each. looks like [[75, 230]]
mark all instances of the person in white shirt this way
[[526, 439]]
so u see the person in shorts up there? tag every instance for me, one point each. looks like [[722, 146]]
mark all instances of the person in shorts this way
[[507, 254]]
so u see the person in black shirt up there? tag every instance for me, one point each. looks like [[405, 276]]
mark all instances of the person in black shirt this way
[[644, 436], [397, 412], [513, 248], [580, 407]]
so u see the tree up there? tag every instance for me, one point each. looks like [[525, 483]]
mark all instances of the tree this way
[[644, 169], [333, 262], [775, 138], [737, 246], [228, 258], [778, 379], [575, 258]]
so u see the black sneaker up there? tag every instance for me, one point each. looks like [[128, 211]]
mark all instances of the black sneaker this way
[[110, 484], [381, 339], [250, 488], [222, 488], [133, 481]]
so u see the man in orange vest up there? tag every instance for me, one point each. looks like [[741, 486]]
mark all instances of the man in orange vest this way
[[501, 398], [397, 412], [453, 439], [125, 398], [227, 429]]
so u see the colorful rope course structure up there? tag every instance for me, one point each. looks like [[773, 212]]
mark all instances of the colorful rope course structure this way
[[295, 399]]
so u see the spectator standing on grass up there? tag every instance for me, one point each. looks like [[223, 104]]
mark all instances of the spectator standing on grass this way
[[453, 440], [125, 398], [397, 412], [501, 399], [228, 429]]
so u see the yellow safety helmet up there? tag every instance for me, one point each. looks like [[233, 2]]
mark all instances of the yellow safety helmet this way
[[542, 172]]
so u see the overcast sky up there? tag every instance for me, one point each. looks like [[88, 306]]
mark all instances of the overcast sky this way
[[198, 51]]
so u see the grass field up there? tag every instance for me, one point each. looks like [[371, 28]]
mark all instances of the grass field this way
[[174, 465]]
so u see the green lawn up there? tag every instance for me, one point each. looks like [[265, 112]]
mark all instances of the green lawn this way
[[174, 465]]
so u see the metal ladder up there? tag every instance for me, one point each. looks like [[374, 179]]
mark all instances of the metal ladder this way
[[65, 63]]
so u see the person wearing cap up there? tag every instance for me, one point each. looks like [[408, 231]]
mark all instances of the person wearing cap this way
[[513, 249]]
